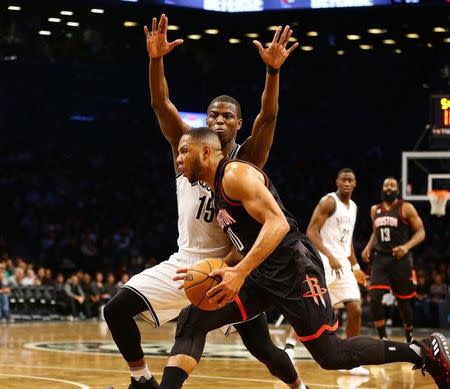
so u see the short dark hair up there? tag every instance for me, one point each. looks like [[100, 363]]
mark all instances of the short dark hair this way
[[203, 134], [227, 99], [345, 170]]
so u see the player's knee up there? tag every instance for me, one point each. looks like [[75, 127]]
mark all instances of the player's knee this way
[[354, 310], [112, 310]]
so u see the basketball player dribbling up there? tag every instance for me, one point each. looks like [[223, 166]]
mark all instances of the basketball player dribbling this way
[[152, 292], [280, 268]]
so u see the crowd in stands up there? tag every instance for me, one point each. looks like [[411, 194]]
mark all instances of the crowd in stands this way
[[87, 182], [76, 226]]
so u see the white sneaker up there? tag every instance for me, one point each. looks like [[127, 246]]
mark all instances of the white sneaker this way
[[290, 351], [357, 371]]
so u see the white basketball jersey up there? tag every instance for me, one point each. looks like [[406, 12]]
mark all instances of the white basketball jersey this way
[[199, 233], [337, 231]]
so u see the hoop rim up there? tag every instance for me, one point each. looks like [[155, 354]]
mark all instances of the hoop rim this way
[[441, 194]]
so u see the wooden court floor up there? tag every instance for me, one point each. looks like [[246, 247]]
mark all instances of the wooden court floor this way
[[83, 355]]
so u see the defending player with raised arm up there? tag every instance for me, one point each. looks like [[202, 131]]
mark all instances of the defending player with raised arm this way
[[224, 117], [397, 228], [281, 269], [151, 293]]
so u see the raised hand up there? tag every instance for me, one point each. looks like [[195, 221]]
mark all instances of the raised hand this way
[[275, 55], [157, 45]]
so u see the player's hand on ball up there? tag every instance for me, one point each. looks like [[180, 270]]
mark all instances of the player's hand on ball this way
[[182, 274], [228, 289]]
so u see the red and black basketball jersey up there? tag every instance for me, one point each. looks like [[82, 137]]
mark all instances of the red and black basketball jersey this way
[[236, 221], [392, 229]]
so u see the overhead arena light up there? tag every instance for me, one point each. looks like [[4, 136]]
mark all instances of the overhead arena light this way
[[212, 31], [14, 8], [376, 30], [412, 35], [397, 51], [440, 29], [389, 42], [353, 37], [73, 24], [44, 32], [233, 41], [293, 39], [97, 11], [129, 23], [312, 33], [54, 20], [307, 48], [272, 28], [67, 13], [447, 40], [340, 52], [366, 47], [172, 27], [252, 35], [194, 37]]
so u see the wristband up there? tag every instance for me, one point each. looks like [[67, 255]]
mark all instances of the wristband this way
[[356, 267], [271, 70]]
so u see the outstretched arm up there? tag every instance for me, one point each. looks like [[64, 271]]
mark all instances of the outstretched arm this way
[[170, 122], [246, 184], [257, 147]]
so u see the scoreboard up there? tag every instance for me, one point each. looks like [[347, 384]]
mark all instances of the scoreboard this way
[[440, 121], [263, 5]]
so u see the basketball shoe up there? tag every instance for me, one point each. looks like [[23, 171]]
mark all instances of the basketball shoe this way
[[436, 359], [144, 384]]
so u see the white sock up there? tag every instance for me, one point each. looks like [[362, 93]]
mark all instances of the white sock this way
[[140, 371], [302, 386], [417, 349], [292, 342]]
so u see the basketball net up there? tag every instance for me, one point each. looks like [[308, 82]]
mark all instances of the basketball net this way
[[438, 200]]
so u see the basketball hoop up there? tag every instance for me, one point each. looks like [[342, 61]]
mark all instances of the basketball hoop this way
[[438, 200]]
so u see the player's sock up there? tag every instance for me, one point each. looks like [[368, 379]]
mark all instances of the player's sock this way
[[140, 371], [409, 334], [402, 352], [302, 386], [173, 378], [382, 332]]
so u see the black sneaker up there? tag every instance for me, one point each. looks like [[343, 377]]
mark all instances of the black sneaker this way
[[436, 359], [144, 384]]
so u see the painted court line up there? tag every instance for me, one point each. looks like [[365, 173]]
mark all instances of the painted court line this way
[[82, 386], [160, 373]]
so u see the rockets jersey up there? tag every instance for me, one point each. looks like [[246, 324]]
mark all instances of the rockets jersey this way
[[391, 228], [237, 222], [337, 231], [198, 231]]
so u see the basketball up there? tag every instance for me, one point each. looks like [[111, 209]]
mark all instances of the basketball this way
[[197, 282]]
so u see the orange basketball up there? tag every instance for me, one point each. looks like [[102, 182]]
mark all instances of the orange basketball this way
[[197, 282]]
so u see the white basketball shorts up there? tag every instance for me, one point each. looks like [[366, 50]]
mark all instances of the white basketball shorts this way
[[344, 288], [160, 292]]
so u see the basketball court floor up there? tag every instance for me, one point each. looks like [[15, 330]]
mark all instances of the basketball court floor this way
[[83, 355]]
